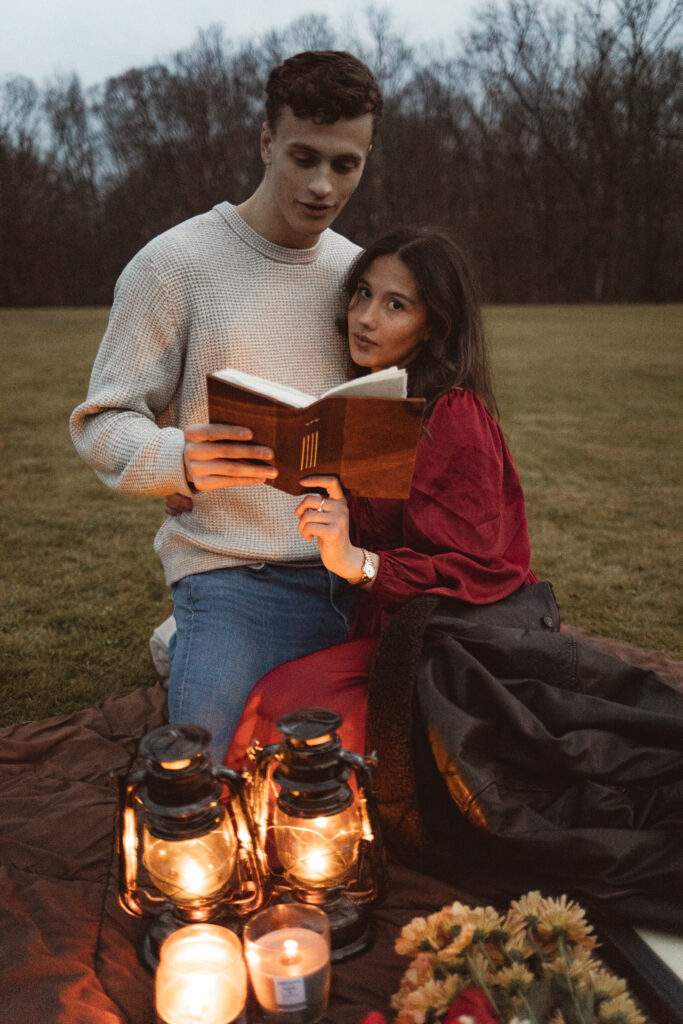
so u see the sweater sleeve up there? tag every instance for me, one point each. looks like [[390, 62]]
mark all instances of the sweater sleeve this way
[[463, 528], [119, 429]]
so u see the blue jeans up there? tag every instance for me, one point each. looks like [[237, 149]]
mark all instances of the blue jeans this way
[[234, 625]]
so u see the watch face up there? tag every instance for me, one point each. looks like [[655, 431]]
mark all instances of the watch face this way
[[369, 569]]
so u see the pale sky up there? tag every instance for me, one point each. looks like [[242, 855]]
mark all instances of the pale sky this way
[[101, 38]]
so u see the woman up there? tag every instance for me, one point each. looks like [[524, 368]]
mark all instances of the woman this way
[[462, 533]]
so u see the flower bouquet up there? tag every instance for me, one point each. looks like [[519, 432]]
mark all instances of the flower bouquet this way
[[533, 965]]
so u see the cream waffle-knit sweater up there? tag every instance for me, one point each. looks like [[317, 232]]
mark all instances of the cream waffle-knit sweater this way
[[207, 294]]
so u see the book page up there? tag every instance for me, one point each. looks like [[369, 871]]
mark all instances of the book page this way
[[389, 383], [260, 386]]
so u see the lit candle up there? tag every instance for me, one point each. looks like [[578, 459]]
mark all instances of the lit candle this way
[[201, 978], [289, 966]]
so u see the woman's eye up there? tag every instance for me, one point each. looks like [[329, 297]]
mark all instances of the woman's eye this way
[[364, 292], [395, 304]]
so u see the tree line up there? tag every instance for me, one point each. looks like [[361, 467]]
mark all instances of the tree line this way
[[547, 139]]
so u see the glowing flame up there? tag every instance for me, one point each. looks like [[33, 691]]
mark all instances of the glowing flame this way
[[291, 954]]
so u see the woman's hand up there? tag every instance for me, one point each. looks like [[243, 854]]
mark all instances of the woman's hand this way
[[327, 521], [176, 504]]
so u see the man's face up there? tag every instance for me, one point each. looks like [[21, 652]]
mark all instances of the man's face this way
[[312, 171]]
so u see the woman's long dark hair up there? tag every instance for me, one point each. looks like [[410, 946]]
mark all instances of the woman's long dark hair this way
[[455, 354]]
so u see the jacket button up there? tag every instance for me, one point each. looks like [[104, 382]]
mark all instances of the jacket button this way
[[547, 620]]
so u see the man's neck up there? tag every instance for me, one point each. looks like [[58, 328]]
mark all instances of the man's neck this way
[[256, 211]]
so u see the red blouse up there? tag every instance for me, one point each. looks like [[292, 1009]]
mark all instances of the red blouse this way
[[463, 530], [461, 533]]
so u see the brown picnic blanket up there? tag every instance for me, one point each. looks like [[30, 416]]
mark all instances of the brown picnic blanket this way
[[67, 950]]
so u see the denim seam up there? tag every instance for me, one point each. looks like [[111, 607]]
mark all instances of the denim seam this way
[[188, 648]]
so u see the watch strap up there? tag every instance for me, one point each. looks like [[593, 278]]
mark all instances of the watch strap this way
[[369, 570]]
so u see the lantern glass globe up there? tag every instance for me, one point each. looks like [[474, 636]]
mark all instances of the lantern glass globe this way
[[317, 853], [191, 871]]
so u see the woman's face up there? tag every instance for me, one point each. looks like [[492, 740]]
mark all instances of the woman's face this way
[[387, 319]]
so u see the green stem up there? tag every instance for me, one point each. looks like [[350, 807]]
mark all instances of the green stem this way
[[487, 955], [531, 1016], [480, 981], [572, 991], [532, 939]]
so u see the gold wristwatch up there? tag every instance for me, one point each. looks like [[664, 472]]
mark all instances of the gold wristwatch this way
[[369, 570]]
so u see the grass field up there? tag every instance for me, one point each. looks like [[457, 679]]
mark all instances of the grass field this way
[[589, 398]]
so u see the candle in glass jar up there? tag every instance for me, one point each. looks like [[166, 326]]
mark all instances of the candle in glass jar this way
[[201, 978], [290, 973]]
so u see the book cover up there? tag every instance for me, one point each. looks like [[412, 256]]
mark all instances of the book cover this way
[[368, 441]]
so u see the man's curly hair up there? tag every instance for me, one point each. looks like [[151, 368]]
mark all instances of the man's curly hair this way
[[324, 85]]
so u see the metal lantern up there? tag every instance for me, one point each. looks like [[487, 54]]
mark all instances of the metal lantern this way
[[324, 837], [186, 844]]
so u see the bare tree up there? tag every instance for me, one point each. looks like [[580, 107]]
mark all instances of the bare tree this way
[[548, 141]]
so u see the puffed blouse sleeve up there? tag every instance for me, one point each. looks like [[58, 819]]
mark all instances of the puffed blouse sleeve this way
[[463, 530]]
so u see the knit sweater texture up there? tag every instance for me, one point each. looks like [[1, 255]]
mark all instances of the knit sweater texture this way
[[208, 294]]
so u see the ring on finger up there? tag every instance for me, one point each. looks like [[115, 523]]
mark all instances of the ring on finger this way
[[321, 505]]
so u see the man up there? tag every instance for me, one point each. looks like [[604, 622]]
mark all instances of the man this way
[[256, 287]]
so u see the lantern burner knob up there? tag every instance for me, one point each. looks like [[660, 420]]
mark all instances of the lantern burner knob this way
[[172, 743], [309, 723]]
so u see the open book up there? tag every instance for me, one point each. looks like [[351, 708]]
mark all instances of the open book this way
[[364, 431]]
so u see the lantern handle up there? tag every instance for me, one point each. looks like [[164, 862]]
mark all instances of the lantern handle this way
[[261, 759], [249, 851], [127, 843], [372, 858]]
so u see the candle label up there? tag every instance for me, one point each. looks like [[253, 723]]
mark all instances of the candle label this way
[[290, 993]]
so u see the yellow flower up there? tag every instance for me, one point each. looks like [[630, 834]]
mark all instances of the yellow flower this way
[[515, 978], [451, 920], [439, 933], [517, 951], [419, 971], [457, 945], [433, 997], [417, 937], [486, 921], [620, 1010], [563, 918], [461, 945], [524, 913], [579, 967], [452, 987], [411, 1017], [605, 984]]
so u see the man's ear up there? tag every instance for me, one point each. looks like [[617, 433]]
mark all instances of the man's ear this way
[[266, 143]]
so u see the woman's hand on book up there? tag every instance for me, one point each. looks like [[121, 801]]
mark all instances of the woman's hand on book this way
[[326, 519], [222, 455]]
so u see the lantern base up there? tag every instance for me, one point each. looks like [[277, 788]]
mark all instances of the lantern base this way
[[350, 923], [160, 928]]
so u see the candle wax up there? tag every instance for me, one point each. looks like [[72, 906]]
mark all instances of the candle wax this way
[[288, 977], [199, 982]]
